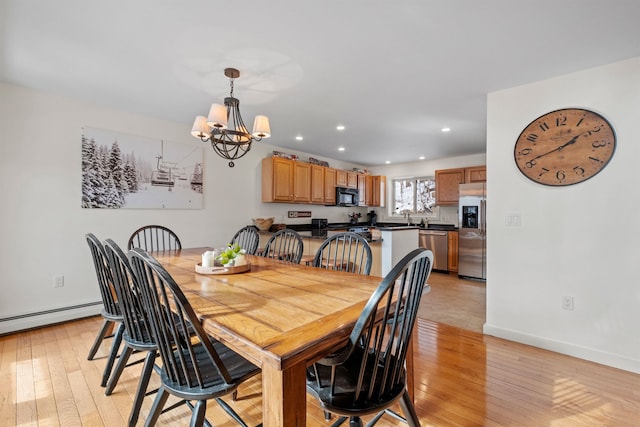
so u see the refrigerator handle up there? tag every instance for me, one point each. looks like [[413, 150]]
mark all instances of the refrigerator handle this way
[[481, 220]]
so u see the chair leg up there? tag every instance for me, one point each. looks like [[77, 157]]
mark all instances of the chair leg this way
[[115, 346], [229, 410], [106, 325], [409, 411], [197, 419], [122, 363], [147, 369], [156, 408]]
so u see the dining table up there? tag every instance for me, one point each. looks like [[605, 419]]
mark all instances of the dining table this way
[[280, 316]]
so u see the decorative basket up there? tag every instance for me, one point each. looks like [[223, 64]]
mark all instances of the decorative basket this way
[[263, 224]]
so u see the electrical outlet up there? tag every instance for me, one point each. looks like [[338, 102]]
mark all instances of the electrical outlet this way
[[567, 303], [58, 281]]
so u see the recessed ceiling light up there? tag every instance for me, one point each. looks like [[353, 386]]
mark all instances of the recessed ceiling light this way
[[299, 138], [421, 158], [445, 129], [340, 127], [340, 148], [387, 161]]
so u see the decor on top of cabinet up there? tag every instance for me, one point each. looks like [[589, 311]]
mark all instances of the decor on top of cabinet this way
[[315, 161], [225, 128], [285, 155]]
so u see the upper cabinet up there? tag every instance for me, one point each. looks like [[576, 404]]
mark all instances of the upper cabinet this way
[[317, 184], [301, 182], [379, 190], [447, 181], [475, 174], [277, 180], [330, 186], [290, 181]]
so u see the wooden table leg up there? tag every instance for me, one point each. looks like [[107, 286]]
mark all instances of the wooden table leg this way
[[284, 396]]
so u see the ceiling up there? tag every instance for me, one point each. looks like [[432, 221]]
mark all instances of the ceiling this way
[[394, 73]]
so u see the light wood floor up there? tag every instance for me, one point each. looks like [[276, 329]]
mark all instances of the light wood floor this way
[[463, 379]]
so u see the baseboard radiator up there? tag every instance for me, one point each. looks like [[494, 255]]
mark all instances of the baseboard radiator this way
[[48, 317]]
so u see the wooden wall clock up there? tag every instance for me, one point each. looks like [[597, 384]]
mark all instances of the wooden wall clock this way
[[565, 147]]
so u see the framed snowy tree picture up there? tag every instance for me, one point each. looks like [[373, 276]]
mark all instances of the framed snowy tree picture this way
[[134, 172]]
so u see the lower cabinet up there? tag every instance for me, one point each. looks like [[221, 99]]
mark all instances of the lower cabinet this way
[[452, 251]]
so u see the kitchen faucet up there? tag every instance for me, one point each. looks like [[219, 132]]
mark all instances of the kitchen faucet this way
[[408, 215]]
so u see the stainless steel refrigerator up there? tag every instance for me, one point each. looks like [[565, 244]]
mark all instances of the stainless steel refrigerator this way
[[472, 234]]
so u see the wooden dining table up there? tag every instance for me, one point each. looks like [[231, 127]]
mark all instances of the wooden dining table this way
[[280, 316]]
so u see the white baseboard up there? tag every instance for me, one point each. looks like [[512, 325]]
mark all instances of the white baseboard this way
[[34, 320], [593, 355]]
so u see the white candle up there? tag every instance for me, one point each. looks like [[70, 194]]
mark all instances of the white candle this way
[[207, 259]]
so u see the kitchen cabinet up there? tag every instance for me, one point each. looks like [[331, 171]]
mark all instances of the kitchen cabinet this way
[[352, 180], [301, 182], [475, 174], [447, 181], [277, 180], [290, 181], [368, 191], [317, 184], [330, 186], [378, 190], [452, 251], [362, 190]]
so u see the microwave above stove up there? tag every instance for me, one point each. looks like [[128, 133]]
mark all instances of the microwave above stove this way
[[346, 196]]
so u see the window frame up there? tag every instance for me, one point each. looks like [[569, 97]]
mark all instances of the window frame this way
[[435, 211]]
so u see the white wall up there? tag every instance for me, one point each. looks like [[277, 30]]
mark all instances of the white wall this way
[[43, 226], [579, 240]]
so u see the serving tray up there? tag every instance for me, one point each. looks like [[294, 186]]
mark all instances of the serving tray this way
[[222, 270]]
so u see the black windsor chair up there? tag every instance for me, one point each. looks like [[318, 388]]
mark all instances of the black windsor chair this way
[[111, 313], [154, 238], [347, 251], [367, 375], [247, 238], [193, 368], [285, 245]]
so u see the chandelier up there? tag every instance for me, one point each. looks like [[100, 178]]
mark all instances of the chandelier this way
[[224, 127]]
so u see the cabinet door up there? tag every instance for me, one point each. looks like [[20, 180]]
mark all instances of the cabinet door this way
[[341, 178], [352, 180], [277, 180], [475, 174], [301, 182], [452, 255], [317, 184], [362, 190], [329, 186], [447, 181], [378, 191], [368, 191]]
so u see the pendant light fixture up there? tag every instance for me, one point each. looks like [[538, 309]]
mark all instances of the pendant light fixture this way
[[225, 128]]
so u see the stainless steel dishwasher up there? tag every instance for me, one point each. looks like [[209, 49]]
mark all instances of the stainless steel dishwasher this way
[[436, 241]]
